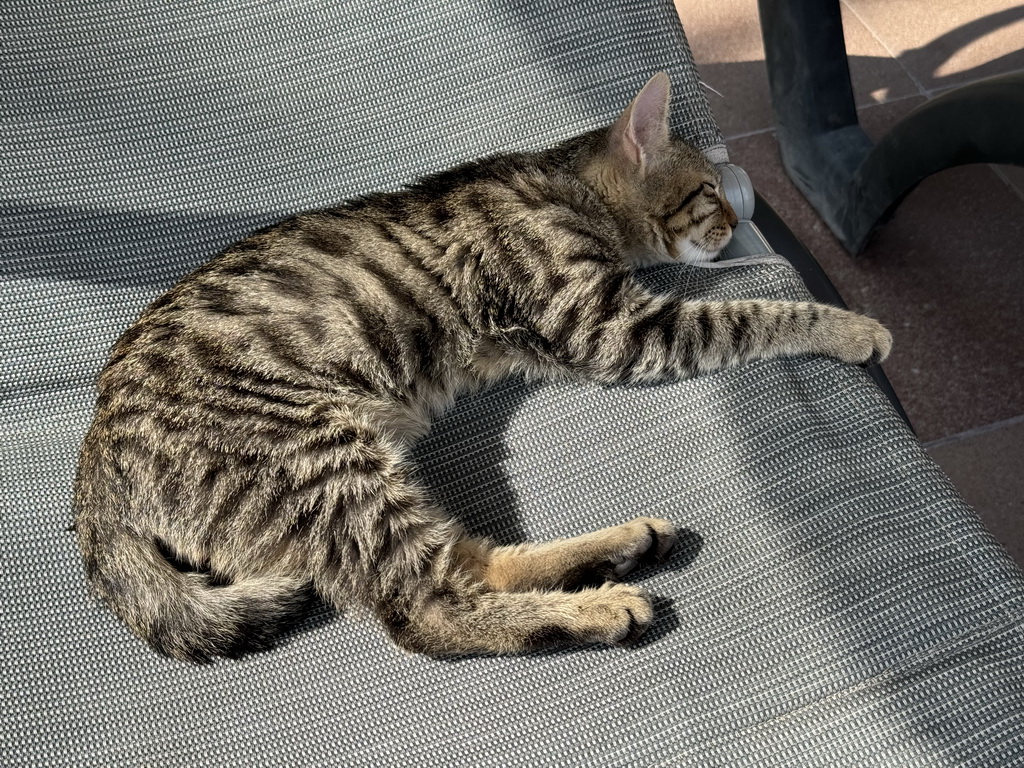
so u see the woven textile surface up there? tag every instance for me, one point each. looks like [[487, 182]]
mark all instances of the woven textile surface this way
[[833, 602]]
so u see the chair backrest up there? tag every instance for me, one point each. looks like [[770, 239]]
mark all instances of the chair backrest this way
[[142, 137]]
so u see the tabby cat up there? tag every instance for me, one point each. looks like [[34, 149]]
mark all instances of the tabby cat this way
[[252, 433]]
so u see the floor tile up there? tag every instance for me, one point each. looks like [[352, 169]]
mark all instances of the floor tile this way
[[876, 76], [877, 120], [988, 470], [945, 275], [726, 41], [1014, 176], [725, 37], [941, 44]]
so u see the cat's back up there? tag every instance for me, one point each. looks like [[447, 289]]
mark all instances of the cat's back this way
[[330, 303], [384, 296]]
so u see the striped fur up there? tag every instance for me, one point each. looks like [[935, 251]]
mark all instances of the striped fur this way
[[251, 438]]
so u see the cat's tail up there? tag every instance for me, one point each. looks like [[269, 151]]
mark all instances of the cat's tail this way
[[183, 614]]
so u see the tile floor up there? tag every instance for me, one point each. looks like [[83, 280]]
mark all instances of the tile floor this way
[[946, 274]]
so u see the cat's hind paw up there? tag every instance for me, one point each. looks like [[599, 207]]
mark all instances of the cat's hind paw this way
[[644, 540], [615, 614]]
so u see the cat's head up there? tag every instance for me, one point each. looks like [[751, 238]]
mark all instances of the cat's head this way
[[666, 194]]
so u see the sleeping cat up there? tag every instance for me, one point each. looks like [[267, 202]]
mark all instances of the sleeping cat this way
[[251, 437]]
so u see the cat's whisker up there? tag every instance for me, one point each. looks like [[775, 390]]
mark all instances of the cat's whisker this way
[[717, 93]]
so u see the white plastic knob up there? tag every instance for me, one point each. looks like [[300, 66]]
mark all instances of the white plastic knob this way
[[738, 190]]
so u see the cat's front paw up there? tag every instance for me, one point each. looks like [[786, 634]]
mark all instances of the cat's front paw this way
[[616, 614], [861, 340]]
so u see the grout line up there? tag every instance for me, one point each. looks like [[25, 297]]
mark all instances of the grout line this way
[[886, 48], [1009, 182], [887, 102], [933, 92], [960, 436]]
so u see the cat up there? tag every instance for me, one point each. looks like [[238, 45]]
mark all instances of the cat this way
[[252, 430]]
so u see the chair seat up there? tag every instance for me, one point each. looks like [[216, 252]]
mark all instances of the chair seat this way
[[833, 602]]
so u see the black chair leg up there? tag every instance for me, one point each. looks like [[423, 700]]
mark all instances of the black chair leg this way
[[852, 182]]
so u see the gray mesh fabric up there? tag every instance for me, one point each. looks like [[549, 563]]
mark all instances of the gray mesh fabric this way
[[833, 603]]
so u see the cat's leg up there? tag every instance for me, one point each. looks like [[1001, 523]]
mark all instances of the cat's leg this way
[[587, 560], [483, 599], [464, 617], [380, 540], [618, 331]]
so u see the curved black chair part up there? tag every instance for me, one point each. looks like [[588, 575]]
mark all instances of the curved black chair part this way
[[854, 183]]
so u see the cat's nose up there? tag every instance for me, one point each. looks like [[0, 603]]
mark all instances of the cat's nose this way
[[730, 215]]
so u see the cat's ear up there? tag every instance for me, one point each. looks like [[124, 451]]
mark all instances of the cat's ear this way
[[642, 129]]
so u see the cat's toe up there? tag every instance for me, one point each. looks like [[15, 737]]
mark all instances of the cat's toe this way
[[637, 628], [635, 615], [619, 614], [863, 340], [649, 540], [882, 346]]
